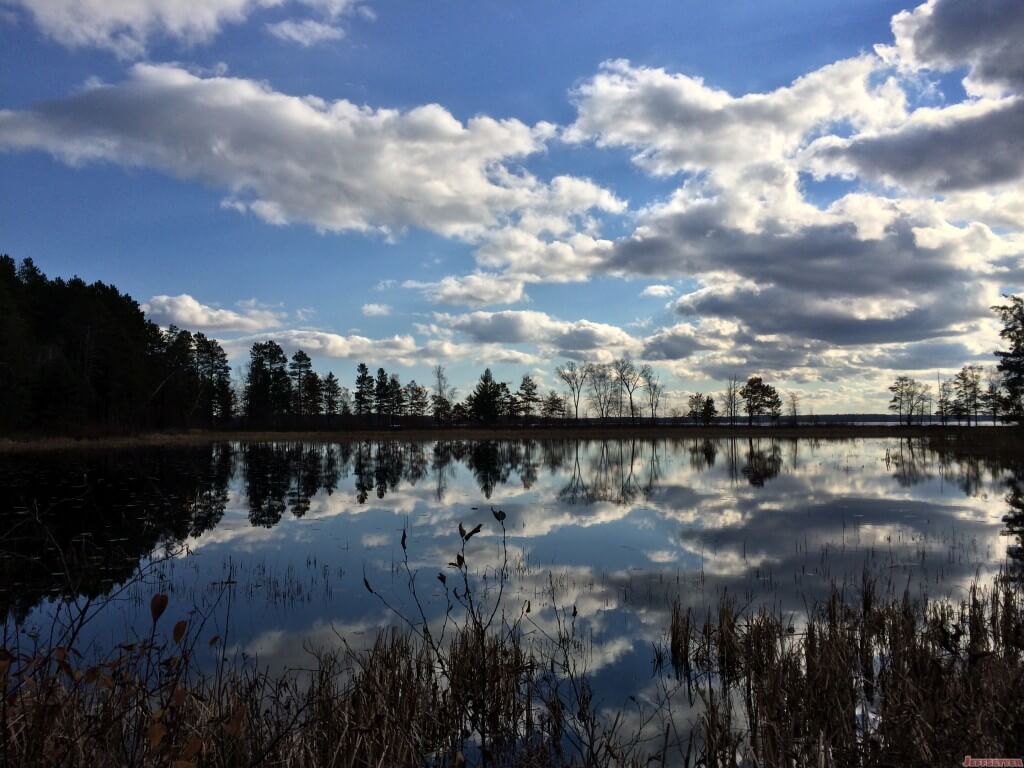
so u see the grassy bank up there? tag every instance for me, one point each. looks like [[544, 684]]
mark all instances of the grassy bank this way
[[983, 436], [863, 681]]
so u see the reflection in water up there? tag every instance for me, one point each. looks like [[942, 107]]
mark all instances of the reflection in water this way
[[618, 528]]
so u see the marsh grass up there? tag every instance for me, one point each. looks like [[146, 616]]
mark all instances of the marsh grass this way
[[866, 681], [863, 679]]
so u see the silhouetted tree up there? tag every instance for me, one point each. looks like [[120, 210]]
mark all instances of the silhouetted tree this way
[[575, 377], [331, 394], [416, 398], [554, 406], [484, 403], [628, 378], [655, 389], [268, 390], [760, 399], [298, 369], [967, 384], [363, 397], [1011, 361], [382, 392], [527, 396], [731, 399]]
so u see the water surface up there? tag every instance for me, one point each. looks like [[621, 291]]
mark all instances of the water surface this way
[[273, 540]]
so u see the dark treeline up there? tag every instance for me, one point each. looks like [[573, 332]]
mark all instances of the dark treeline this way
[[78, 357]]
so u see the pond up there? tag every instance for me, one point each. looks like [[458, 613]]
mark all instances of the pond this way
[[271, 542]]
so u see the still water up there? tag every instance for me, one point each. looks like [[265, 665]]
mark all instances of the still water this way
[[272, 541]]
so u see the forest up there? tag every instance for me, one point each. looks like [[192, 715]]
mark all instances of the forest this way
[[83, 358]]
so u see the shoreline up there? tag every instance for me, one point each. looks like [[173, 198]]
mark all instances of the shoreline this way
[[29, 443]]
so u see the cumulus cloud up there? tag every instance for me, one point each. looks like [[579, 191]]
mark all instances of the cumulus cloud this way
[[478, 289], [676, 122], [962, 147], [658, 291], [335, 165], [376, 310], [983, 35], [187, 312], [399, 348], [126, 28], [579, 338], [305, 32]]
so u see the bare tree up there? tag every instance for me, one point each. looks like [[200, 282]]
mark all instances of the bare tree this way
[[575, 377], [731, 399], [655, 389], [629, 377], [793, 403], [602, 389]]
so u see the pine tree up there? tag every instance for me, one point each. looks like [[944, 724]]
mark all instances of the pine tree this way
[[1011, 361], [298, 369], [331, 395], [363, 397], [381, 392], [528, 397]]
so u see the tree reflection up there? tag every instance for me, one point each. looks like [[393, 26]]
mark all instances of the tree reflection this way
[[76, 524]]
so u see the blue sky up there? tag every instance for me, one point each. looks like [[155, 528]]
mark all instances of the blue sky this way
[[498, 183]]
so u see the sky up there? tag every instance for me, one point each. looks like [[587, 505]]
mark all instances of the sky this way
[[828, 194]]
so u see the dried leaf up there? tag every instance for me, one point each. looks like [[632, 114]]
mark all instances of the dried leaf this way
[[462, 532], [157, 606], [156, 734], [403, 539], [474, 532], [179, 631], [192, 748]]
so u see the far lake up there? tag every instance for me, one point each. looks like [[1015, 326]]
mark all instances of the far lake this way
[[281, 535]]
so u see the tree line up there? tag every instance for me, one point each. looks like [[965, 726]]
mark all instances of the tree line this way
[[77, 356], [975, 392]]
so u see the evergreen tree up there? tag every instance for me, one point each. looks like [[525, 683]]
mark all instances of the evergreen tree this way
[[216, 397], [312, 394], [1011, 361], [529, 400], [363, 397], [298, 369], [553, 406], [382, 393], [331, 395], [268, 390], [396, 396], [708, 411], [485, 402]]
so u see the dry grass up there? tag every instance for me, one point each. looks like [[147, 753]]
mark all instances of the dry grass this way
[[876, 683]]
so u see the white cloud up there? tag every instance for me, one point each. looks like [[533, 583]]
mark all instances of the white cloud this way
[[126, 27], [398, 348], [305, 32], [376, 310], [335, 165], [186, 312], [474, 290], [658, 291], [559, 337]]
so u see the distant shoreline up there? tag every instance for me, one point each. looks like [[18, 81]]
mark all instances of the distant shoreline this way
[[1000, 435]]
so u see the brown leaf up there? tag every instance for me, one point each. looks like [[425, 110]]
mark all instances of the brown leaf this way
[[156, 734], [179, 631], [157, 606], [192, 748]]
